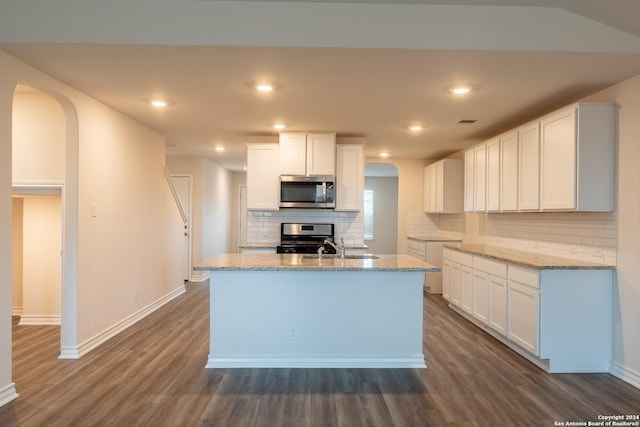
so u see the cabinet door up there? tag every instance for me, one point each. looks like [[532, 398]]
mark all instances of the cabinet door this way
[[446, 279], [263, 181], [321, 154], [349, 177], [439, 186], [493, 175], [529, 167], [509, 172], [481, 296], [523, 315], [429, 189], [466, 286], [455, 284], [558, 161], [469, 187], [293, 154], [498, 304], [479, 179]]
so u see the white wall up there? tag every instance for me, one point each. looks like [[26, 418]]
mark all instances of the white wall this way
[[17, 252], [117, 262], [385, 218], [42, 261], [38, 139], [212, 225], [626, 306], [217, 206]]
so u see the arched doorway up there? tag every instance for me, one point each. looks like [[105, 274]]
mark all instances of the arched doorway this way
[[44, 162], [381, 208]]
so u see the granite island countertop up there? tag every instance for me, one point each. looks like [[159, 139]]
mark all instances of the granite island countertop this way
[[528, 259], [300, 262]]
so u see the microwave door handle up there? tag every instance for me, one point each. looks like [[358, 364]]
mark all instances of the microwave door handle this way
[[324, 192]]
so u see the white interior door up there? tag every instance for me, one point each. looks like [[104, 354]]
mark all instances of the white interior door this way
[[182, 185]]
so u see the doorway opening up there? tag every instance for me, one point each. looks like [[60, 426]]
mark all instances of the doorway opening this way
[[381, 208]]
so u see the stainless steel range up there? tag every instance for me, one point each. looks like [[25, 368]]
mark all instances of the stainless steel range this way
[[296, 238]]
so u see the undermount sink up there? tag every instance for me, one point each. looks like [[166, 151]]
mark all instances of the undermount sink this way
[[334, 256]]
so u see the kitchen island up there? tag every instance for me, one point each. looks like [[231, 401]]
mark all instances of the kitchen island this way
[[293, 310]]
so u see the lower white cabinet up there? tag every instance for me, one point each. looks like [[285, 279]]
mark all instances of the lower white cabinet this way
[[498, 304], [430, 251], [559, 318]]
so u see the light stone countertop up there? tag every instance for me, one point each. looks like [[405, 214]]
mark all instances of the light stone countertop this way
[[528, 259], [300, 262], [274, 245]]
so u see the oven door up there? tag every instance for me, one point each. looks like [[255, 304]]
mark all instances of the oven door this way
[[306, 192]]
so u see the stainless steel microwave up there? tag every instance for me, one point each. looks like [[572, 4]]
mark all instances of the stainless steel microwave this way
[[307, 191]]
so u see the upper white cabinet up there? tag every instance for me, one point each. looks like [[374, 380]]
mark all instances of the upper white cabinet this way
[[263, 180], [493, 175], [577, 158], [529, 167], [480, 178], [309, 154], [562, 162], [509, 172], [349, 177], [444, 186]]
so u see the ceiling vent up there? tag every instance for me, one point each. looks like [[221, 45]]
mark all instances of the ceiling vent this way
[[467, 121]]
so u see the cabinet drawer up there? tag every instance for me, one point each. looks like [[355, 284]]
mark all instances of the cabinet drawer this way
[[525, 276], [496, 268], [462, 258], [417, 245]]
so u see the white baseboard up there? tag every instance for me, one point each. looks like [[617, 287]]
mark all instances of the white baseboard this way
[[71, 352], [35, 320], [416, 361], [16, 311], [199, 276], [625, 374], [7, 394]]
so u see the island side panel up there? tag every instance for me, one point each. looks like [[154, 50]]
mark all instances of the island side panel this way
[[316, 319]]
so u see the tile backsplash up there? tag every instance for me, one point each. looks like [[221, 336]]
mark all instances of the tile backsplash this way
[[264, 226], [587, 236]]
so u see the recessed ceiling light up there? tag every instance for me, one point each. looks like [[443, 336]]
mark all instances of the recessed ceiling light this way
[[279, 126], [461, 90], [159, 103], [384, 155], [219, 148], [415, 128], [264, 87]]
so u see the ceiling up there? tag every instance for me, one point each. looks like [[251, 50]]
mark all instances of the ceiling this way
[[371, 92]]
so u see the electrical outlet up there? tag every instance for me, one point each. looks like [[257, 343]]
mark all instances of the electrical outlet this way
[[293, 333]]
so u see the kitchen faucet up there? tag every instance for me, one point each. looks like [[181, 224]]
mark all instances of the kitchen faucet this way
[[339, 248]]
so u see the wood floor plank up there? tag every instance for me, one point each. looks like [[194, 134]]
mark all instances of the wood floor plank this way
[[153, 374]]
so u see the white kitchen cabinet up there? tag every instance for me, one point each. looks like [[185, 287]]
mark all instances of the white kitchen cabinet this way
[[480, 178], [263, 180], [466, 288], [309, 154], [493, 175], [349, 190], [498, 304], [577, 158], [444, 186], [430, 251], [446, 279], [469, 180], [529, 167], [509, 172], [523, 308], [558, 318], [481, 296]]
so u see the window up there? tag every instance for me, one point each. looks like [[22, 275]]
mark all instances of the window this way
[[368, 214]]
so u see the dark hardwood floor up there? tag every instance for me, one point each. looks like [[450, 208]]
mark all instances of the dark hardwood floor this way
[[153, 375]]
